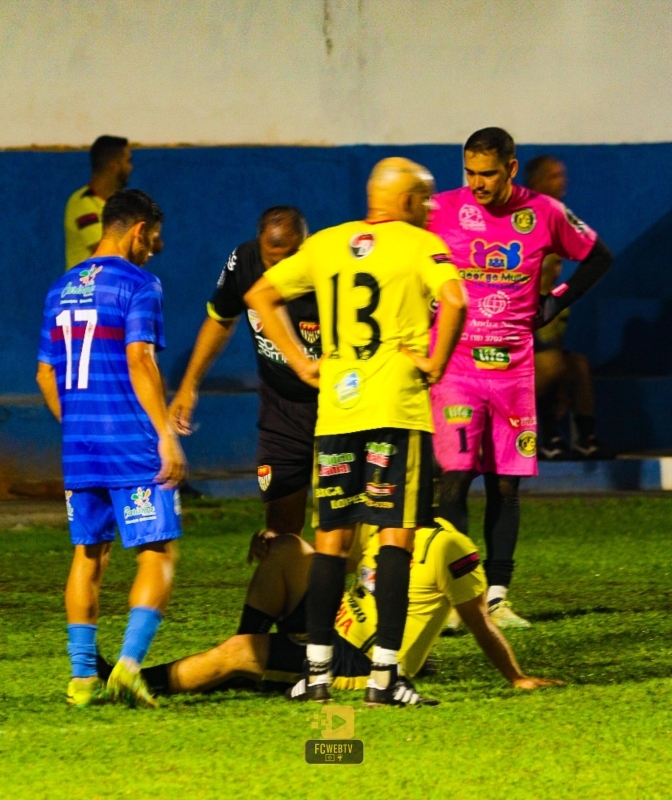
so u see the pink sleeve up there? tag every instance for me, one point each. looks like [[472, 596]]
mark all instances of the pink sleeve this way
[[572, 238]]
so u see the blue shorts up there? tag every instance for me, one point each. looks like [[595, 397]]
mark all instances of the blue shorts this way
[[143, 514]]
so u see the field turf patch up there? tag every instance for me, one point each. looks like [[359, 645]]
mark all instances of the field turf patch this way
[[593, 575]]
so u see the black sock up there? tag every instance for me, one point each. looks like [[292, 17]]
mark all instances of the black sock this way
[[254, 621], [502, 521], [392, 580], [585, 426], [453, 492], [325, 590], [548, 424], [156, 678]]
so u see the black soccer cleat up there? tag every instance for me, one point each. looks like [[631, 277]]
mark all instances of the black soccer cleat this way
[[399, 692], [317, 690]]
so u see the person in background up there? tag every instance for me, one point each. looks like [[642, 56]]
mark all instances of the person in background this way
[[563, 381], [110, 170]]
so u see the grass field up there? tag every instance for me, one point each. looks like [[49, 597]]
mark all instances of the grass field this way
[[594, 576]]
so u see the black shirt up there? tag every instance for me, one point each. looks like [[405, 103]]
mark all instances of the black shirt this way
[[242, 271]]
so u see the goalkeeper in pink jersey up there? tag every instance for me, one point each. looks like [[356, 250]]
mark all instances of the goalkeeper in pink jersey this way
[[484, 406]]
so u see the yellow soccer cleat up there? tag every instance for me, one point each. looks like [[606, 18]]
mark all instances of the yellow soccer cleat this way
[[129, 688], [82, 694], [503, 617]]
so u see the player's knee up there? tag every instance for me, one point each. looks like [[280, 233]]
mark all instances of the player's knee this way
[[454, 486], [508, 486]]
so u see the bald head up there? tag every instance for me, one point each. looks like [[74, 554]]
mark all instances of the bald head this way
[[400, 189]]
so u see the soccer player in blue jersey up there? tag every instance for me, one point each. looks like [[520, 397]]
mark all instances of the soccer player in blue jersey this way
[[121, 457]]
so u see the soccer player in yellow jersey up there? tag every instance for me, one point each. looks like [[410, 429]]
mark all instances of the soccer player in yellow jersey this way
[[375, 282], [83, 221], [445, 573]]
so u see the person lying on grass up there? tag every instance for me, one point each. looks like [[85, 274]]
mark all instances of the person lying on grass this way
[[445, 573]]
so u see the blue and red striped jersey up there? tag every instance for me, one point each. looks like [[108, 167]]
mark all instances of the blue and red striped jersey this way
[[91, 313]]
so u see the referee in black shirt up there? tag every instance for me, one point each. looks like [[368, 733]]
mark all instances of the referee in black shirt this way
[[288, 406]]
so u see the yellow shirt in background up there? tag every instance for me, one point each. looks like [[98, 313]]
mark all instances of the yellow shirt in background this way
[[374, 284], [83, 224]]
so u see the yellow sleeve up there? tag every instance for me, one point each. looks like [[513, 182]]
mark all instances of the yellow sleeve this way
[[436, 264], [459, 573], [293, 276]]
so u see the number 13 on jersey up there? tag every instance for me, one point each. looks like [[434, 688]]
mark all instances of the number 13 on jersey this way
[[345, 314]]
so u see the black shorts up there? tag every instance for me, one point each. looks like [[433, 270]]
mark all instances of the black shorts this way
[[383, 477], [285, 449], [286, 655]]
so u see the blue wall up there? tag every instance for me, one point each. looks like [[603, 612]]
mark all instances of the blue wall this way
[[212, 197]]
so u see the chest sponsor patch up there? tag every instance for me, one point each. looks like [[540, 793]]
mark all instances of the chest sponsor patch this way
[[85, 220], [471, 218], [491, 357], [524, 220], [458, 415], [310, 331], [495, 264], [493, 304], [361, 244], [463, 566], [526, 444]]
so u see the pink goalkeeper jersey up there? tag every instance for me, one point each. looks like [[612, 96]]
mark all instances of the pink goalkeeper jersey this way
[[498, 252]]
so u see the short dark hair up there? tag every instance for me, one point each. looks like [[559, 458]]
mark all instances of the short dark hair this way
[[127, 207], [106, 149], [489, 139], [535, 165], [283, 215]]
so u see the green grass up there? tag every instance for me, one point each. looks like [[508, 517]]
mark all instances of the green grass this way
[[594, 576]]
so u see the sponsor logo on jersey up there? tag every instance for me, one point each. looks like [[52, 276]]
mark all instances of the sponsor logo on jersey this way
[[526, 444], [379, 453], [456, 415], [380, 489], [87, 279], [524, 220], [574, 221], [349, 501], [367, 578], [442, 258], [334, 463], [495, 264], [68, 505], [144, 509], [255, 320], [463, 566], [231, 263], [522, 422], [264, 476], [310, 331], [491, 357], [471, 218], [329, 491], [361, 244], [88, 276], [493, 304], [348, 388]]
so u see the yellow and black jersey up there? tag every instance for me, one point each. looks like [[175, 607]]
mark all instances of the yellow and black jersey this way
[[374, 284], [83, 224], [445, 572]]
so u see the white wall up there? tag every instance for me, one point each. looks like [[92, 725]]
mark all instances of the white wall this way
[[334, 71]]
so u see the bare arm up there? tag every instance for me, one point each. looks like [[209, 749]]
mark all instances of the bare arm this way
[[453, 314], [211, 340], [266, 300], [474, 613], [46, 380], [148, 387]]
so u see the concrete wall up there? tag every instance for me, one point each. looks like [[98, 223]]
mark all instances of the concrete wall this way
[[334, 71]]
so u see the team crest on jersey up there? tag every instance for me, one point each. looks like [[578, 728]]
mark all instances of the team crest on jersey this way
[[310, 331], [524, 220], [68, 505], [264, 476], [144, 509], [574, 221], [255, 320], [471, 218], [493, 304], [526, 444], [361, 244]]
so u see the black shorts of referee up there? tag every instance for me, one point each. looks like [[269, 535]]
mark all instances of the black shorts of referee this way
[[286, 444]]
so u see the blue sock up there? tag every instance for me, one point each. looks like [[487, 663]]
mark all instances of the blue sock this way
[[143, 624], [82, 650]]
